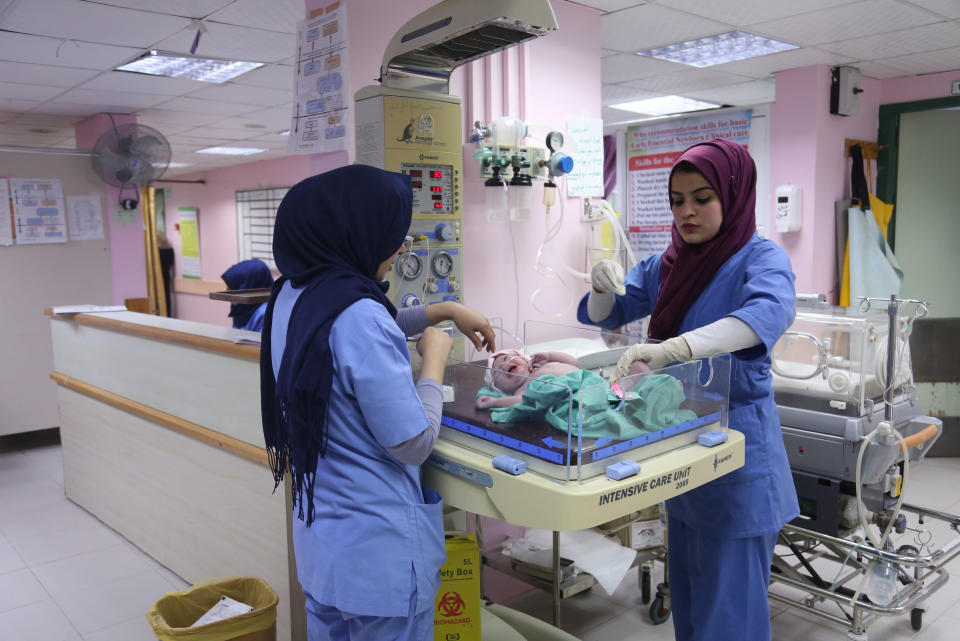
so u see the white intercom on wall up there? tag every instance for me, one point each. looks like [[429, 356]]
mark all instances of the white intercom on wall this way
[[787, 209]]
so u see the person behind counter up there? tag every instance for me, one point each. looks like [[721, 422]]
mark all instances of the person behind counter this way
[[338, 403], [248, 274], [717, 288]]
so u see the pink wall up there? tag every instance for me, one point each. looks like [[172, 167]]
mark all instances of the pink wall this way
[[128, 272], [807, 149], [217, 218], [909, 89]]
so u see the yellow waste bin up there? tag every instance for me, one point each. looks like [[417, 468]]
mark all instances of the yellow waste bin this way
[[171, 616]]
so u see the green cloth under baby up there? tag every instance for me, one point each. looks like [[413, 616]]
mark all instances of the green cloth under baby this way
[[652, 404]]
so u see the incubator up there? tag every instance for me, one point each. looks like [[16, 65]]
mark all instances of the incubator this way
[[571, 451]]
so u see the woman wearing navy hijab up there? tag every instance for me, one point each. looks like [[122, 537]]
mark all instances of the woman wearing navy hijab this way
[[340, 407], [248, 274], [717, 288]]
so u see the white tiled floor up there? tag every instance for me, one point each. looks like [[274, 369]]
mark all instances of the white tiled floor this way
[[64, 576]]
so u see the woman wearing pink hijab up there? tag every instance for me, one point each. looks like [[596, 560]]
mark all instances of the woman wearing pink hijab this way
[[717, 288]]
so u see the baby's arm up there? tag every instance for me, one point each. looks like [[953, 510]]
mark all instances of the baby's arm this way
[[486, 402], [540, 358]]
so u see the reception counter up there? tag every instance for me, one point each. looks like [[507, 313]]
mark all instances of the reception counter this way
[[160, 426]]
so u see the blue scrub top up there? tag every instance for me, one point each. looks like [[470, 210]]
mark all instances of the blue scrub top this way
[[755, 285], [255, 323], [375, 533]]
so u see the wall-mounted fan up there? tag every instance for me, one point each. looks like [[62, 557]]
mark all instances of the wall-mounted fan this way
[[130, 155]]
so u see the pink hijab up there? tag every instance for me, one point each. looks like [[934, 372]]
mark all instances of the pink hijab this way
[[686, 270]]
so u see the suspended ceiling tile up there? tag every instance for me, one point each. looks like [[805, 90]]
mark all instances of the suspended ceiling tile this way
[[630, 66], [85, 21], [15, 105], [26, 129], [220, 133], [613, 94], [273, 123], [745, 12], [748, 93], [606, 53], [201, 142], [234, 43], [276, 15], [81, 110], [165, 128], [880, 71], [608, 6], [43, 74], [927, 62], [29, 140], [680, 82], [856, 20], [44, 120], [648, 26], [899, 43], [244, 94], [271, 137], [211, 107], [271, 76], [178, 117], [19, 47], [185, 8], [19, 91], [946, 8], [143, 83], [765, 66], [117, 98]]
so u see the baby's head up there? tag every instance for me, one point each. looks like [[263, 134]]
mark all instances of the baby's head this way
[[507, 371]]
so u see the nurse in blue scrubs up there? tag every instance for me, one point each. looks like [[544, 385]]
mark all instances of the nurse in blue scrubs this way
[[340, 405], [717, 288], [248, 274]]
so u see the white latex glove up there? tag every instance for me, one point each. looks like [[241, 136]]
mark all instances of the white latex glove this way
[[607, 277], [655, 355]]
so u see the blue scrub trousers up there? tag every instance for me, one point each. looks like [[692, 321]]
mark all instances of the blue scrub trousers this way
[[718, 586], [326, 623]]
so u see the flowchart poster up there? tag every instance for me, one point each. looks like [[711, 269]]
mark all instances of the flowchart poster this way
[[322, 105], [38, 211]]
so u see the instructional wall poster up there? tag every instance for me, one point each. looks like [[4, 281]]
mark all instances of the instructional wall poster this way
[[6, 214], [38, 211], [189, 243], [586, 178], [651, 150], [85, 215], [322, 104]]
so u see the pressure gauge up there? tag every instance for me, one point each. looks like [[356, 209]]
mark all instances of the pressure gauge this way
[[442, 264], [409, 265], [554, 141]]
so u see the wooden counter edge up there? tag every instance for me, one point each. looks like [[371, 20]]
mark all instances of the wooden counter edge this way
[[175, 423], [220, 345]]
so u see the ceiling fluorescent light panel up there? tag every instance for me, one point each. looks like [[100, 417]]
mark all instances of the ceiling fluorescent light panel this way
[[179, 66], [664, 105], [231, 151], [715, 50]]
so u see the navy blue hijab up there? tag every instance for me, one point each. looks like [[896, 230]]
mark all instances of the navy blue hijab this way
[[331, 234], [247, 274]]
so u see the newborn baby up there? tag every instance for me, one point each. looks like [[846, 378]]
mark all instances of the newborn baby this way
[[511, 373]]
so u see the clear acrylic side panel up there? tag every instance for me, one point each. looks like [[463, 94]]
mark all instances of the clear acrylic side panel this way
[[836, 360], [560, 413]]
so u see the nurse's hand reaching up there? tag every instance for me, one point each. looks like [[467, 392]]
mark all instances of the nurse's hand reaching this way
[[655, 355], [434, 347], [607, 277], [471, 323]]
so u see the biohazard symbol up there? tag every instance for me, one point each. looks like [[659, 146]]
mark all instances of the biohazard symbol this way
[[451, 605]]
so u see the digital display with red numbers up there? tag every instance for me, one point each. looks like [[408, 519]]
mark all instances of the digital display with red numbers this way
[[434, 187]]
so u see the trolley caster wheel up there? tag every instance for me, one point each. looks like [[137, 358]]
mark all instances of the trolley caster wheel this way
[[645, 585], [916, 619], [658, 613]]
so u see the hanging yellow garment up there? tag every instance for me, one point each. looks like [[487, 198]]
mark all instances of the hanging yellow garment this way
[[845, 278], [882, 213]]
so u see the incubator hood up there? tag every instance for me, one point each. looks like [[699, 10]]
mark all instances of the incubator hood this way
[[424, 52]]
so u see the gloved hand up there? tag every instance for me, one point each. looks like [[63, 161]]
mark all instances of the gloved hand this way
[[607, 277], [655, 355]]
